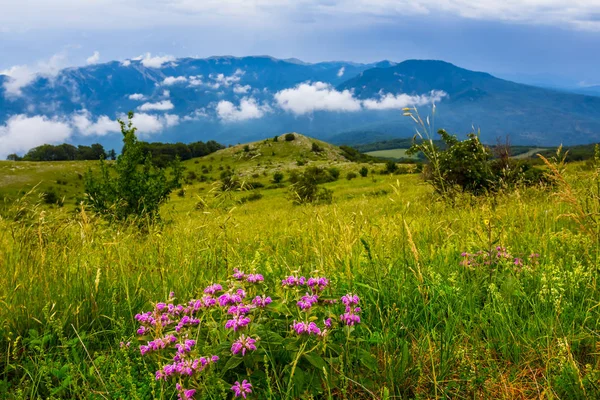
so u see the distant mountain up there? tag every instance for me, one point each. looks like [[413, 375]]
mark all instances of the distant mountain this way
[[530, 115], [239, 99]]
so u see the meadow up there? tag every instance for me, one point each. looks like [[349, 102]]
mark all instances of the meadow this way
[[485, 297]]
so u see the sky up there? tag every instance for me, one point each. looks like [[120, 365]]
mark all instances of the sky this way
[[534, 41]]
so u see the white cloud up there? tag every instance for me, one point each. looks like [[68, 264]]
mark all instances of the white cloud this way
[[308, 97], [166, 93], [196, 80], [318, 96], [108, 14], [104, 125], [149, 123], [224, 80], [239, 89], [126, 63], [341, 72], [137, 96], [93, 59], [21, 133], [247, 109], [196, 115], [390, 102], [157, 61], [158, 106], [22, 75], [172, 80]]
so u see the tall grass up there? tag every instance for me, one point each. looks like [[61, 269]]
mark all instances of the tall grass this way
[[71, 285]]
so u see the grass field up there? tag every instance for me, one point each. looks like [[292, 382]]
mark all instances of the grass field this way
[[391, 153], [434, 323]]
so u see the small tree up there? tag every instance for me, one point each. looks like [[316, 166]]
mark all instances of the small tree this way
[[306, 188], [289, 137], [136, 188], [364, 171]]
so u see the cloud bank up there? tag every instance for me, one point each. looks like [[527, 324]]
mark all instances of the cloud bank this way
[[307, 98], [247, 109], [164, 105]]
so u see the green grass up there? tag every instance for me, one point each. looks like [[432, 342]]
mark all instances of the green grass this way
[[71, 285], [391, 153]]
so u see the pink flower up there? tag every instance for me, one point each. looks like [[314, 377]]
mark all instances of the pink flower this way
[[262, 301], [255, 278], [350, 299], [242, 389], [243, 344], [238, 321], [237, 274], [212, 289]]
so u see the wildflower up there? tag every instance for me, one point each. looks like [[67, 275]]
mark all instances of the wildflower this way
[[262, 301], [317, 283], [242, 389], [185, 394], [240, 309], [350, 318], [238, 321], [171, 295], [255, 278], [243, 344], [232, 298], [307, 301], [160, 306], [141, 330], [304, 327], [350, 299], [327, 322], [212, 289], [518, 261], [237, 274], [293, 281]]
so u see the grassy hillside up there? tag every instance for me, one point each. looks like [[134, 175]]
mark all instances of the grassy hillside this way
[[438, 318]]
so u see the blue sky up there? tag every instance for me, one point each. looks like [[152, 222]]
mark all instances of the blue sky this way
[[527, 40]]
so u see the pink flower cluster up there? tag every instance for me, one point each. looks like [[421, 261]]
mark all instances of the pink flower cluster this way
[[242, 389], [184, 394], [306, 328], [185, 367], [350, 317], [250, 278], [307, 301], [316, 284], [493, 257], [158, 344], [261, 301], [243, 344]]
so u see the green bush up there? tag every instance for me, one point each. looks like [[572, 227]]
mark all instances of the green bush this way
[[277, 177], [136, 187], [290, 137], [316, 148], [334, 173], [351, 175], [306, 189], [364, 171]]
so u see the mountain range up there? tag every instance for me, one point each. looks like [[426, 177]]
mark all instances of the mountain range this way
[[238, 99]]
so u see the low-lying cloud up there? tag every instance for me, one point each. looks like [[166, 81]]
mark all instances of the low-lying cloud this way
[[21, 76], [173, 80], [164, 105], [93, 59], [248, 108], [307, 98], [398, 101], [21, 133], [155, 62]]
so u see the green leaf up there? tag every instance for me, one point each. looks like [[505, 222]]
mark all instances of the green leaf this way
[[316, 361], [232, 363], [367, 359]]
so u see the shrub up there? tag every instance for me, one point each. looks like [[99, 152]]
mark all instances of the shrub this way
[[246, 149], [254, 185], [251, 197], [468, 165], [290, 137], [277, 177], [137, 187], [334, 173], [229, 181], [275, 138], [316, 148], [390, 167], [51, 197], [306, 188], [364, 171], [351, 175]]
